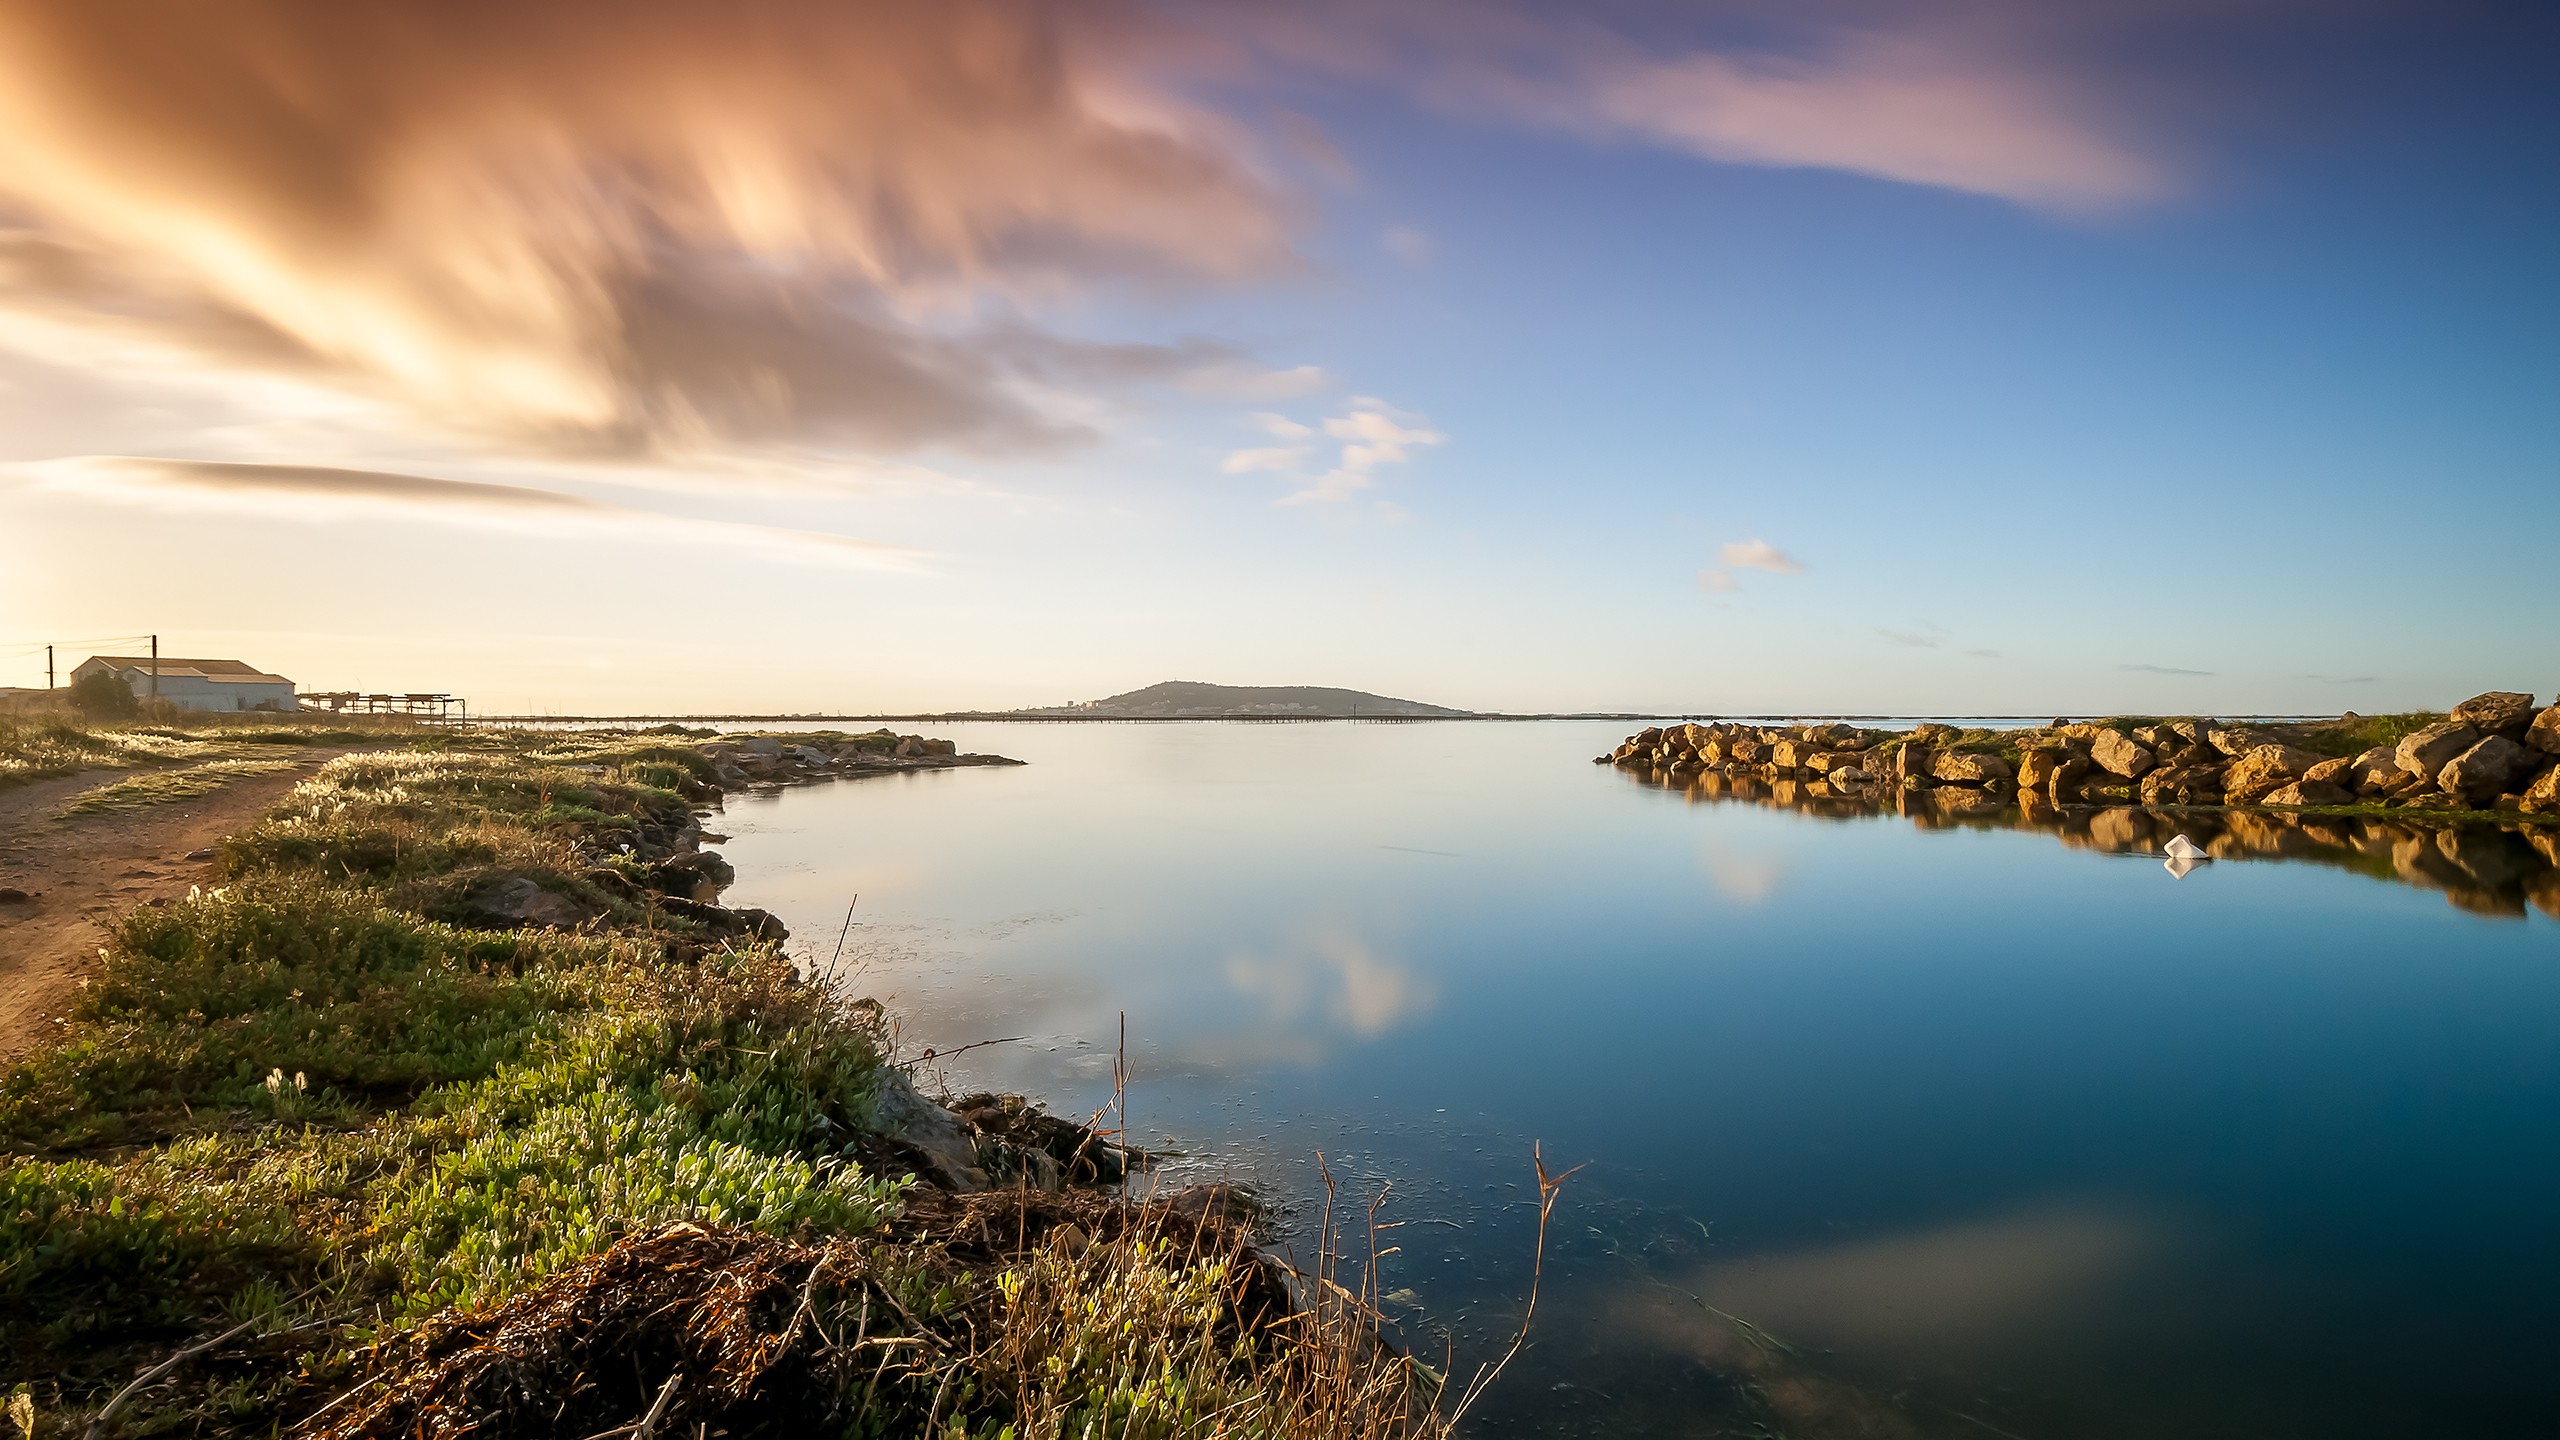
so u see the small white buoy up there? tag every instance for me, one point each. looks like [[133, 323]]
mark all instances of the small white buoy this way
[[2184, 856]]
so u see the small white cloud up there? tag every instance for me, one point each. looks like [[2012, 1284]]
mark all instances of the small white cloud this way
[[1407, 244], [1719, 582], [1760, 555], [1280, 425]]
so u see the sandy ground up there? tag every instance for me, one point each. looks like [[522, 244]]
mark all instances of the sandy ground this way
[[82, 873]]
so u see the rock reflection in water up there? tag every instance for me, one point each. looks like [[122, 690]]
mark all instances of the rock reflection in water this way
[[2485, 869]]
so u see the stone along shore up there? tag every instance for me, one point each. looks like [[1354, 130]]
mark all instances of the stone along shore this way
[[2492, 755]]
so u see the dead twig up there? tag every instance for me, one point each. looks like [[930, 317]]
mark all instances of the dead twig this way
[[157, 1372], [932, 1054], [639, 1429], [99, 1424], [1549, 1187]]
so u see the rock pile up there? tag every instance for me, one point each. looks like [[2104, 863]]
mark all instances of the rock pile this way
[[2493, 752], [744, 761]]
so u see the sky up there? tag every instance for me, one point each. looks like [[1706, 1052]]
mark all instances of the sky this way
[[1835, 356]]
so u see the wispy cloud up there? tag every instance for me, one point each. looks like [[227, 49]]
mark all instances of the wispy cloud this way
[[320, 494], [2160, 670], [593, 226], [1925, 96], [1911, 639], [1893, 108], [1372, 435]]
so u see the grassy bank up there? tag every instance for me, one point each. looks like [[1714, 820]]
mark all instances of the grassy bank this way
[[412, 1175], [45, 744]]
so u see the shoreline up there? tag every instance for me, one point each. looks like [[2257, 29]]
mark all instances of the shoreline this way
[[978, 717], [462, 1100]]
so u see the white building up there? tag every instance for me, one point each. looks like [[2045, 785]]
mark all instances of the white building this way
[[195, 684]]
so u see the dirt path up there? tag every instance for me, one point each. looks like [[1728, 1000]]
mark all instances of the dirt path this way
[[81, 872]]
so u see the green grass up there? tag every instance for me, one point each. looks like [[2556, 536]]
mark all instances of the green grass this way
[[2344, 738], [169, 786], [306, 1095], [44, 745]]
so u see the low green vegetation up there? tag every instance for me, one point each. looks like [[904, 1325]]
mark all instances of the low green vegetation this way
[[170, 786], [44, 744], [317, 1112], [2355, 734]]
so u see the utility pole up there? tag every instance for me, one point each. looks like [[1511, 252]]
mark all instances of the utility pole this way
[[48, 667], [155, 668]]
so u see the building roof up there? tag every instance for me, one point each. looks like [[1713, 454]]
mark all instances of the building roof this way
[[228, 672]]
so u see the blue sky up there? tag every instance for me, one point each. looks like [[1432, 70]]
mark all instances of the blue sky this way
[[1851, 358]]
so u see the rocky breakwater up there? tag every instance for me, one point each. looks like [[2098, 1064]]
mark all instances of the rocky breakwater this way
[[744, 761], [2495, 754]]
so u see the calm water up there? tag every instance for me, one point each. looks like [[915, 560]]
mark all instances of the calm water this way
[[1889, 1130]]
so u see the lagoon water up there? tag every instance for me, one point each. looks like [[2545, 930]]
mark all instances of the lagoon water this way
[[1886, 1131]]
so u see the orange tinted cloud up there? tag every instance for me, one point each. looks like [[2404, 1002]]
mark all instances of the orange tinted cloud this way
[[324, 493], [619, 225], [1955, 97]]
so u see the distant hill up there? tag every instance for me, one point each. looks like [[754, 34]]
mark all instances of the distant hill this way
[[1194, 700]]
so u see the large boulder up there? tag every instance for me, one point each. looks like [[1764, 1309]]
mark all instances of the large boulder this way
[[510, 902], [2486, 771], [2499, 712], [2542, 797], [2068, 772], [1912, 761], [2425, 753], [2544, 733], [2263, 771], [2340, 771], [1968, 767], [2036, 766], [1747, 752], [2309, 792], [2120, 754], [761, 745], [2234, 743], [701, 875], [2183, 785], [1933, 733], [2376, 772], [1790, 754]]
